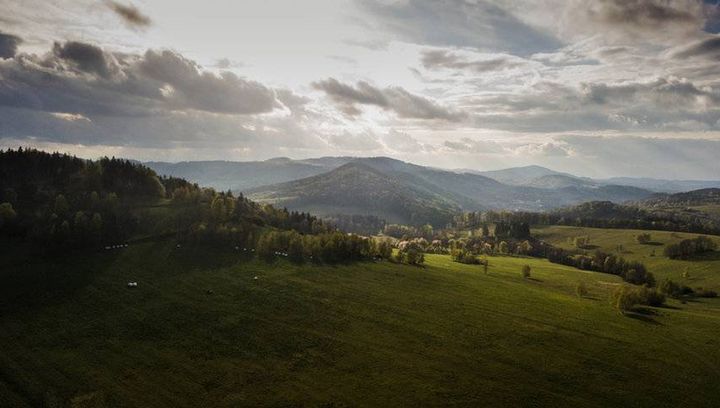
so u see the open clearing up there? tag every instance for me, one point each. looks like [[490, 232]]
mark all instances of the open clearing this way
[[703, 271]]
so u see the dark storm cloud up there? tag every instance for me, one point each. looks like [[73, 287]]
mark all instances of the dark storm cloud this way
[[86, 57], [436, 59], [8, 45], [396, 99], [479, 24], [82, 78], [129, 14]]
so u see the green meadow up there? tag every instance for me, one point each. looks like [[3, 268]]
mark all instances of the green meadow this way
[[701, 271], [209, 327]]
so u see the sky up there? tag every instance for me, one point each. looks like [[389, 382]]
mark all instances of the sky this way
[[596, 88]]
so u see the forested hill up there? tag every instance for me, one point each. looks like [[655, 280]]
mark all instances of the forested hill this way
[[57, 202], [358, 188], [706, 196]]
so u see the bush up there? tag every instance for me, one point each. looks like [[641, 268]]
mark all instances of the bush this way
[[705, 293], [411, 253], [651, 297], [690, 247], [674, 290], [627, 297], [643, 238], [526, 271]]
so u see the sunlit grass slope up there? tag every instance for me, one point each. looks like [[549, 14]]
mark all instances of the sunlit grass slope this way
[[703, 271], [371, 334]]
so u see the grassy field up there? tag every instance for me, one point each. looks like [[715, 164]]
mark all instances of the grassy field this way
[[703, 271], [372, 334]]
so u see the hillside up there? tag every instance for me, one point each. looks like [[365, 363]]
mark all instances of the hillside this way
[[241, 176], [445, 189], [702, 197], [521, 176], [554, 181], [662, 186], [356, 188], [373, 334], [704, 271]]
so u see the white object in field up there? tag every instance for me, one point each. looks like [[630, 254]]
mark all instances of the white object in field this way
[[255, 278], [132, 284]]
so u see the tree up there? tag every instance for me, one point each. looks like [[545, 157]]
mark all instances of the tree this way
[[503, 247], [61, 207], [7, 214], [295, 248], [411, 253], [526, 271], [625, 299], [383, 249]]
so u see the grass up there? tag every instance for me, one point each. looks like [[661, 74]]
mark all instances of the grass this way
[[703, 271], [369, 334]]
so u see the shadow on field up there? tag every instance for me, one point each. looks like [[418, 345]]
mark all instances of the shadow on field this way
[[644, 315], [654, 243], [710, 256], [28, 280]]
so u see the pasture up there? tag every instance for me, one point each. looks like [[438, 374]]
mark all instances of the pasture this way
[[201, 330]]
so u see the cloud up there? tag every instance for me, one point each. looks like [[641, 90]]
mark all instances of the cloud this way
[[86, 57], [129, 14], [646, 13], [481, 24], [358, 142], [82, 78], [438, 59], [402, 142], [8, 45], [708, 48], [192, 88], [638, 20], [70, 117], [475, 146], [396, 99], [547, 149], [666, 92]]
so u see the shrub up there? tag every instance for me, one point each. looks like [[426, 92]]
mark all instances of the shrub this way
[[643, 238], [626, 297], [690, 247], [526, 271], [674, 290], [651, 297], [410, 252], [705, 293]]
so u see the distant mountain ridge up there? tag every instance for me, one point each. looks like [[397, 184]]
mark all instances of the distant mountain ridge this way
[[405, 192], [376, 185]]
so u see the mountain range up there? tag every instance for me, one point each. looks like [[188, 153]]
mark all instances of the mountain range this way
[[403, 192]]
